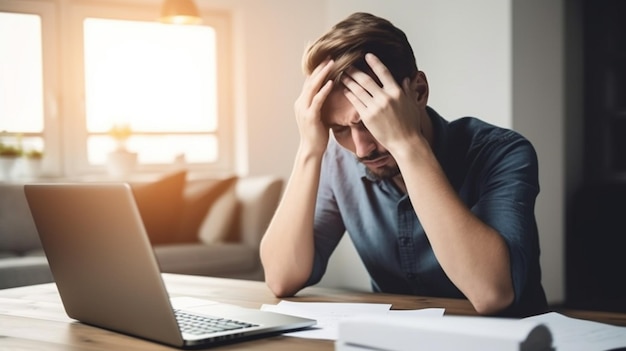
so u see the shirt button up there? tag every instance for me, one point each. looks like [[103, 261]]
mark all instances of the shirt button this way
[[410, 276], [404, 241]]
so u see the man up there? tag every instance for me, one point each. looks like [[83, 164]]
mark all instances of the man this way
[[434, 208]]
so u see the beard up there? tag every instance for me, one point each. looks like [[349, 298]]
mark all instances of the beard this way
[[380, 173], [386, 172]]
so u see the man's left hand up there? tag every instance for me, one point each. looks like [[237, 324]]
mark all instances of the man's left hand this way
[[392, 113]]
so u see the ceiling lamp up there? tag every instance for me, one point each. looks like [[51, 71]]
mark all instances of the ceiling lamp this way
[[180, 12]]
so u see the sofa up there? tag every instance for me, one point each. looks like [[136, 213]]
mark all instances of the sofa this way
[[197, 225]]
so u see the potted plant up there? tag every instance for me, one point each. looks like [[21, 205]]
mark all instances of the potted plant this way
[[120, 133], [120, 161], [8, 157], [33, 154], [33, 160], [10, 151]]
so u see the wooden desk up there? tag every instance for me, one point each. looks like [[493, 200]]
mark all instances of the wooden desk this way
[[33, 318]]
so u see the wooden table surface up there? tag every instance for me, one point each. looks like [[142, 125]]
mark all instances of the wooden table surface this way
[[32, 318]]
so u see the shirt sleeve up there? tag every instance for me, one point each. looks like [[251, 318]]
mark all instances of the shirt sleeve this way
[[508, 189]]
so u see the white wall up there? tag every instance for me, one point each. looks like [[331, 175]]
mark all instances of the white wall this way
[[466, 49], [462, 46], [270, 36]]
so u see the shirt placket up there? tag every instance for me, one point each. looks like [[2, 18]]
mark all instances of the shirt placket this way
[[406, 245]]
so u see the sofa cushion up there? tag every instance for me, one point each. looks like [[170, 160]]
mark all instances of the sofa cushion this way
[[199, 198], [17, 228], [222, 259], [218, 224], [8, 254], [20, 271], [160, 205]]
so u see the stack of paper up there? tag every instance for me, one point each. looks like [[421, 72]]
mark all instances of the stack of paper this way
[[400, 333], [367, 327], [329, 314]]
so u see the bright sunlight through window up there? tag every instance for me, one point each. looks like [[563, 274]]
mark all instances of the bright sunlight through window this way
[[158, 79], [21, 80]]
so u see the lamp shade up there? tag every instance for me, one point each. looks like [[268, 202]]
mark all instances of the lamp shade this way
[[180, 12]]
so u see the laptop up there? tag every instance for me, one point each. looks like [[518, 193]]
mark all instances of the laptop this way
[[108, 276]]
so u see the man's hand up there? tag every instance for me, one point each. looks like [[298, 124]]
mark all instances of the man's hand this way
[[308, 106], [287, 248], [391, 112]]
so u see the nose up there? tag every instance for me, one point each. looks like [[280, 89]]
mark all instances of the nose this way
[[364, 142]]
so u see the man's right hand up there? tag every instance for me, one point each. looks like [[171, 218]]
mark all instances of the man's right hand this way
[[313, 133], [287, 248]]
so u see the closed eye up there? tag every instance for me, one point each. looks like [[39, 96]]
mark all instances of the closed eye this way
[[360, 125], [340, 130]]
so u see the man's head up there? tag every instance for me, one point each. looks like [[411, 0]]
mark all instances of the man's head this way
[[347, 43], [349, 40]]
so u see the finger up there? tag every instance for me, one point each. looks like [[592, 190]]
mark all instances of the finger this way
[[315, 81], [319, 66], [324, 68], [381, 71], [356, 89], [359, 106], [364, 80], [406, 86], [322, 94]]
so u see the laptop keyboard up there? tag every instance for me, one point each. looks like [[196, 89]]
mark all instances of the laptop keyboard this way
[[197, 325]]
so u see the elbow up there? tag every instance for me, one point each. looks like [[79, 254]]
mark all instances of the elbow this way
[[283, 279], [282, 284], [493, 302], [280, 289]]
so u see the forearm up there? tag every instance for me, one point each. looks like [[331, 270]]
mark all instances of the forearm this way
[[287, 248], [473, 255]]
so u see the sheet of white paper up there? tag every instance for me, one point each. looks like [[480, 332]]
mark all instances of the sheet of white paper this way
[[574, 334], [328, 315]]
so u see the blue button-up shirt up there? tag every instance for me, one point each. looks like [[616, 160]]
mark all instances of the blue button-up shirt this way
[[493, 170]]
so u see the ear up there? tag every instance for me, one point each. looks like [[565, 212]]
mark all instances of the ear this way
[[419, 84]]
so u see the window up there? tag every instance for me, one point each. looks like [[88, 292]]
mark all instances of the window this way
[[119, 66], [21, 86], [29, 71], [158, 80]]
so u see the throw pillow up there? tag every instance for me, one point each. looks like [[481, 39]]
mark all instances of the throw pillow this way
[[217, 225], [160, 204], [199, 197]]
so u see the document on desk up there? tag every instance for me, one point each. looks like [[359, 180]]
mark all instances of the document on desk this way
[[447, 333], [574, 334], [329, 314]]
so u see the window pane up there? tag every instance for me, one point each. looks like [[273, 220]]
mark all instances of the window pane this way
[[156, 78], [21, 72]]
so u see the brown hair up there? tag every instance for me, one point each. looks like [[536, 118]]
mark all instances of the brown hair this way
[[360, 33]]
